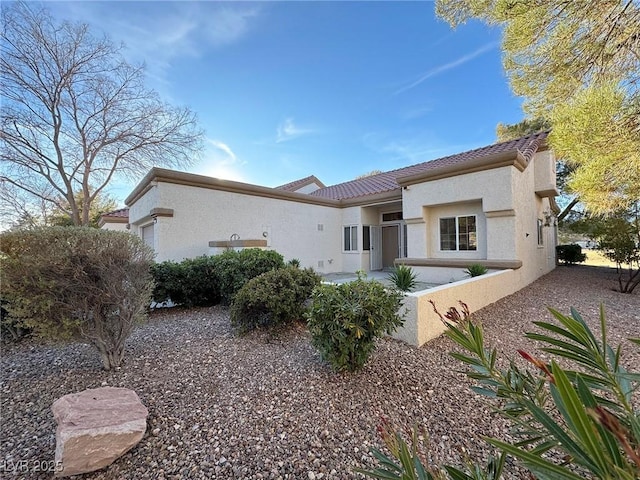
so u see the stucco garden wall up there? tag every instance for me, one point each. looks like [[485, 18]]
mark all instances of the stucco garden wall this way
[[421, 322]]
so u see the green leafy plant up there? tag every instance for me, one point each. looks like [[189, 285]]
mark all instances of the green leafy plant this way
[[190, 283], [234, 269], [294, 262], [65, 282], [571, 421], [273, 298], [408, 459], [475, 270], [570, 254], [403, 278], [344, 320]]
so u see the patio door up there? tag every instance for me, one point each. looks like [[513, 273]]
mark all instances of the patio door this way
[[375, 252]]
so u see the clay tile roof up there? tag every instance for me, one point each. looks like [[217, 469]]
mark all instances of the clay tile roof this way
[[297, 184], [387, 181], [121, 213]]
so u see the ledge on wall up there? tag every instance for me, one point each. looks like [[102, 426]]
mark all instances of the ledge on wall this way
[[457, 262], [238, 243]]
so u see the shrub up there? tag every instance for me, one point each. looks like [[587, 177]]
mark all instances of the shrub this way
[[234, 269], [345, 320], [273, 298], [77, 281], [191, 283], [475, 270], [294, 262], [403, 278], [12, 328], [574, 421], [570, 254]]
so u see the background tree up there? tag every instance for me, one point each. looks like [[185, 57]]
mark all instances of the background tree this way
[[76, 114], [102, 203], [506, 132], [618, 236], [577, 65]]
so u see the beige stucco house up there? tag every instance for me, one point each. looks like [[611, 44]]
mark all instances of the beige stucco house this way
[[492, 205]]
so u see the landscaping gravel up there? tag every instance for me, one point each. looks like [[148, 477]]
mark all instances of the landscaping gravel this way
[[267, 407]]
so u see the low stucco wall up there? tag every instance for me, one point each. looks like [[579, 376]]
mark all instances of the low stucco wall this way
[[421, 322]]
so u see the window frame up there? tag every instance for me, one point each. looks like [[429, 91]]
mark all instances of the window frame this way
[[455, 237], [540, 231], [352, 248]]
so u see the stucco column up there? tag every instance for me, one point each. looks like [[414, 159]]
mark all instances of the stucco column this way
[[416, 238], [501, 235]]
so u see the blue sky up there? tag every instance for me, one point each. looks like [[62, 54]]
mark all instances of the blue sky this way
[[334, 89]]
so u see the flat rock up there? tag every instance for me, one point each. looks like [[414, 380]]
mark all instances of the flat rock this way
[[95, 427]]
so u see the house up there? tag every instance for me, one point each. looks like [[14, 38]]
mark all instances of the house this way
[[493, 206]]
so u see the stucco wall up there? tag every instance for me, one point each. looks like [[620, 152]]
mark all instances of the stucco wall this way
[[422, 324], [117, 226], [310, 233], [511, 210]]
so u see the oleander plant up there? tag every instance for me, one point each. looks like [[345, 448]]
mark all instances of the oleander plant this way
[[572, 418]]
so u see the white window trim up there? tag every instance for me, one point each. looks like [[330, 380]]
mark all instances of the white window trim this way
[[457, 249], [352, 250]]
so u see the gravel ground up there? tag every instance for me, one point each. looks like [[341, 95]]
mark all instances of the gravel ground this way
[[258, 406]]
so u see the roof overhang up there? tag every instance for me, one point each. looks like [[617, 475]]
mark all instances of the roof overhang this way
[[508, 158], [161, 175]]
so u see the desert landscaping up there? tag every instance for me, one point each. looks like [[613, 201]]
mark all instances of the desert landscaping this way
[[261, 406]]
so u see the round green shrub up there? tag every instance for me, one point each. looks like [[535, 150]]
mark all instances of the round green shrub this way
[[345, 320], [234, 269], [190, 283], [273, 298]]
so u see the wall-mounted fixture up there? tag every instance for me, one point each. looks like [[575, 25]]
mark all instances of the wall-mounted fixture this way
[[265, 234], [549, 218]]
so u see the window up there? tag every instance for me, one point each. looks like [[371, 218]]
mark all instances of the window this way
[[366, 238], [391, 217], [350, 234], [458, 233], [540, 233]]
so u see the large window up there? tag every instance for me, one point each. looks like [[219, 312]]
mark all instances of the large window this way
[[350, 234], [458, 233]]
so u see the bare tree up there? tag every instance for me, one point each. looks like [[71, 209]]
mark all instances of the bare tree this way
[[75, 114]]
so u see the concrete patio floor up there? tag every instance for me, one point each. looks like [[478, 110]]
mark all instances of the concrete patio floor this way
[[380, 276]]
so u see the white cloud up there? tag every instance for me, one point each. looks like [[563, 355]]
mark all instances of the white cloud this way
[[220, 161], [401, 152], [287, 130], [161, 35], [447, 66]]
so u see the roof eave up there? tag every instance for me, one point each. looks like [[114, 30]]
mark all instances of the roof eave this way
[[503, 159], [157, 175]]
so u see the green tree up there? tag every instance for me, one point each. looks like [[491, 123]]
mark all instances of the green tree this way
[[100, 204], [75, 114], [576, 63], [506, 132], [618, 236]]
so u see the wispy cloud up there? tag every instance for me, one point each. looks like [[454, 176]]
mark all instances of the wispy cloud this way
[[414, 113], [447, 66], [220, 161], [170, 31], [288, 130], [400, 152]]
